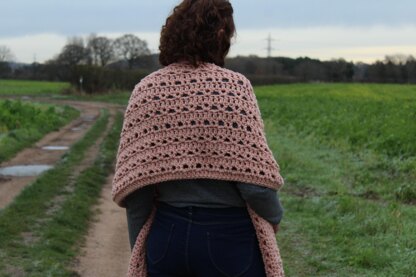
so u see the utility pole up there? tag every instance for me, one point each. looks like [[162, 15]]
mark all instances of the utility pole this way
[[269, 45]]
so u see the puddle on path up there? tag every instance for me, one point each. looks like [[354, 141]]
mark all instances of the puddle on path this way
[[4, 178], [24, 170], [88, 117], [55, 147], [76, 129]]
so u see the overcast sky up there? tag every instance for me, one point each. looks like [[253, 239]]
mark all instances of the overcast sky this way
[[358, 30]]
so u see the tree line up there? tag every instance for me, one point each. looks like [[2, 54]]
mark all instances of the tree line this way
[[99, 64], [393, 69], [93, 64]]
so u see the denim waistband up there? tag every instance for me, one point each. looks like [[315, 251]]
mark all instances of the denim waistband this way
[[205, 216]]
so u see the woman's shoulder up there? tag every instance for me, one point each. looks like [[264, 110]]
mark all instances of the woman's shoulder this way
[[152, 77], [177, 72], [232, 75]]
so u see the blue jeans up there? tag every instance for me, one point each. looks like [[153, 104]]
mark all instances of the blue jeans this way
[[203, 242]]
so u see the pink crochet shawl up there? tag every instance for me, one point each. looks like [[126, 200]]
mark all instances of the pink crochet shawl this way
[[183, 122]]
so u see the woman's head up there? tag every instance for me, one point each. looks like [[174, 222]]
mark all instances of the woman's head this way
[[197, 31]]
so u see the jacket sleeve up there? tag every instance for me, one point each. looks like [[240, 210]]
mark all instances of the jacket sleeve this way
[[138, 207], [264, 201]]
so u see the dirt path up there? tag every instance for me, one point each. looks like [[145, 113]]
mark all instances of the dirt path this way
[[107, 249], [11, 186]]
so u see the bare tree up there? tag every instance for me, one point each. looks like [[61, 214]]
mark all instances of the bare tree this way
[[100, 49], [129, 47], [6, 55], [74, 52], [91, 46], [76, 41]]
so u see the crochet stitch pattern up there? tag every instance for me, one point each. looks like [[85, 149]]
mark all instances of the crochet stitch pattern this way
[[183, 122]]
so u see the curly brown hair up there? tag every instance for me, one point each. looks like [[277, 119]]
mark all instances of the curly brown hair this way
[[197, 31]]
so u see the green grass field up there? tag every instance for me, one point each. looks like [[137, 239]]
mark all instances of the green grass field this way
[[20, 87], [56, 90], [347, 153]]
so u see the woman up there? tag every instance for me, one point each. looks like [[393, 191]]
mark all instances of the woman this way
[[194, 170]]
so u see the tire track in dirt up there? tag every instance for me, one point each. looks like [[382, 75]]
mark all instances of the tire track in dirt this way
[[89, 158], [107, 250]]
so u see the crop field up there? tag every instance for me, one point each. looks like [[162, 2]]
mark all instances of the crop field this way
[[20, 87], [347, 153]]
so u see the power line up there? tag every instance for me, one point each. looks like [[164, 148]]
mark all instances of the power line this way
[[269, 45]]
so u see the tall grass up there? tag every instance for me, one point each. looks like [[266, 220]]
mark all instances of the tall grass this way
[[22, 124]]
